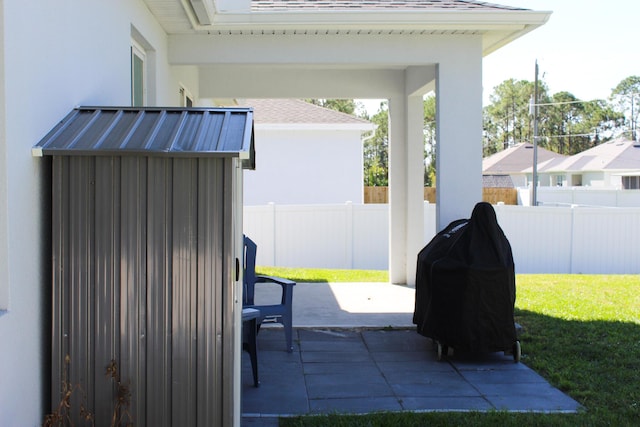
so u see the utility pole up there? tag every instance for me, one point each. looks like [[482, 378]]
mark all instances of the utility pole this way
[[633, 122], [534, 189]]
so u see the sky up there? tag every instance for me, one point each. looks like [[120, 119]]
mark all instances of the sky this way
[[586, 48]]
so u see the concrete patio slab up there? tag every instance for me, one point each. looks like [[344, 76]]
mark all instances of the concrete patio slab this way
[[357, 351]]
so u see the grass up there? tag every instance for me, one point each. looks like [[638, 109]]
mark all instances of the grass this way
[[581, 332], [318, 275]]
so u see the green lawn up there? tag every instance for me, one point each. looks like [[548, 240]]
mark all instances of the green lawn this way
[[318, 275], [581, 332]]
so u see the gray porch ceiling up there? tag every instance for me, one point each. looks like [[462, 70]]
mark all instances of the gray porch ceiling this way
[[497, 24]]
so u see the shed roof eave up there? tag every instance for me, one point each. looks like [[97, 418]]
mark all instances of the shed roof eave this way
[[150, 132], [41, 152]]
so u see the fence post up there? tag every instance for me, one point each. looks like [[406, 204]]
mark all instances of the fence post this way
[[349, 234], [272, 230], [572, 240]]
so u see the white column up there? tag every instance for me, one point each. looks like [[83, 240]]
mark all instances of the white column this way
[[406, 183], [459, 136], [397, 189], [415, 185]]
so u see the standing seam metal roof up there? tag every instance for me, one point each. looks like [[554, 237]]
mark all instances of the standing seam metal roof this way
[[172, 132]]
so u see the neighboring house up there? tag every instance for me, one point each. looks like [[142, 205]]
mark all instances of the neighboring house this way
[[307, 154], [57, 55], [611, 165], [517, 162]]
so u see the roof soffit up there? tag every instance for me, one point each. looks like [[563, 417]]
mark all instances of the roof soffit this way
[[497, 25]]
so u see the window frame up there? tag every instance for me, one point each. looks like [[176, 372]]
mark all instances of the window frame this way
[[186, 98], [137, 51]]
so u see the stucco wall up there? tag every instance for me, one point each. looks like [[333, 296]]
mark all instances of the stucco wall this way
[[305, 166], [56, 55]]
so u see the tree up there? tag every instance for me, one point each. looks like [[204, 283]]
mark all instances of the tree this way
[[603, 119], [507, 120], [347, 106], [626, 95], [376, 150], [566, 124], [562, 121], [430, 141], [572, 125]]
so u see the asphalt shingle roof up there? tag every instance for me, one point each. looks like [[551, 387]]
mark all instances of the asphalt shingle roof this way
[[296, 111], [619, 154], [497, 181], [518, 158]]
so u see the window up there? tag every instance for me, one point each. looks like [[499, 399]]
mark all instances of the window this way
[[186, 99], [138, 72], [631, 182]]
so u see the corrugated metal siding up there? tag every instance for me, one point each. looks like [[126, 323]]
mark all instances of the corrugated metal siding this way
[[142, 275], [174, 132]]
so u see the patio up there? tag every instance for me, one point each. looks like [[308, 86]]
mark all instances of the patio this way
[[350, 358]]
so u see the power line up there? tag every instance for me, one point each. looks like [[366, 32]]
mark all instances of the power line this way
[[563, 103], [570, 134]]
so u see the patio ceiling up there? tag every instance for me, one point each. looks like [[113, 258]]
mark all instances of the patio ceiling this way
[[498, 25], [320, 48]]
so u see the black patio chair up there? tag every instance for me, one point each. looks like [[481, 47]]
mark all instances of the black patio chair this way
[[275, 313]]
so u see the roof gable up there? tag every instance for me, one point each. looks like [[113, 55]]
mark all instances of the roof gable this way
[[618, 154], [517, 159]]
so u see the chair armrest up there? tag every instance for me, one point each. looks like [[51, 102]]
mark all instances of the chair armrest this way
[[273, 279], [287, 287]]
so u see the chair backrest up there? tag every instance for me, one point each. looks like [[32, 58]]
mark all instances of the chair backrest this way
[[249, 277]]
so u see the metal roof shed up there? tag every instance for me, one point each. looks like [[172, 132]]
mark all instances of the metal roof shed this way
[[146, 229]]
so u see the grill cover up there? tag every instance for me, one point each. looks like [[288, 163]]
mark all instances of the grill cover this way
[[465, 285]]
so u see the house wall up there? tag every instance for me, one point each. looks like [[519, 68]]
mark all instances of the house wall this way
[[305, 166], [56, 55]]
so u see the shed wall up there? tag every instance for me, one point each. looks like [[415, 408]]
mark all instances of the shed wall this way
[[141, 278]]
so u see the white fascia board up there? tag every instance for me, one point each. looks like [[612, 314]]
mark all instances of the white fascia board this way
[[205, 11], [363, 127], [630, 173], [497, 28], [383, 20]]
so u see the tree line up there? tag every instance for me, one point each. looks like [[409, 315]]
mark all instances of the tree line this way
[[566, 124]]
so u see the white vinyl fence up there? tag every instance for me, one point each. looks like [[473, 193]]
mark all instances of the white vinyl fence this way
[[354, 236], [584, 196]]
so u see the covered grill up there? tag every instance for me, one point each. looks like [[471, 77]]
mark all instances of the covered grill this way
[[465, 287]]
